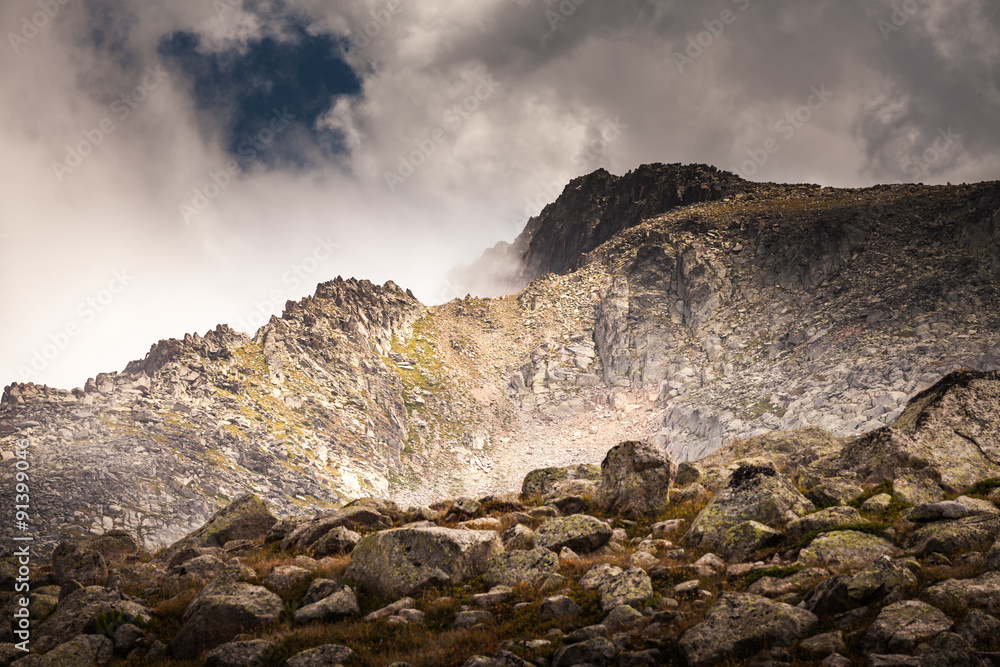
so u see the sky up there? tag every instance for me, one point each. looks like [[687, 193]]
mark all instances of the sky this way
[[170, 166]]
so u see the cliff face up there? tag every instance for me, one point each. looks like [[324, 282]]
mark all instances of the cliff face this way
[[676, 305]]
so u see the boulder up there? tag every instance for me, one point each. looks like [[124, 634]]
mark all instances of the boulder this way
[[948, 510], [981, 630], [958, 595], [951, 650], [752, 493], [358, 517], [194, 573], [517, 537], [530, 567], [992, 560], [401, 561], [559, 607], [820, 521], [285, 580], [246, 518], [78, 613], [579, 532], [616, 586], [597, 652], [338, 541], [335, 606], [635, 480], [916, 487], [77, 652], [540, 483], [877, 504], [834, 491], [745, 538], [226, 607], [740, 625], [254, 653], [321, 656], [901, 626], [845, 549], [75, 561], [878, 579], [973, 533]]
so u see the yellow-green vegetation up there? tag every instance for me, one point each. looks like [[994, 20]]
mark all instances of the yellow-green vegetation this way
[[762, 406]]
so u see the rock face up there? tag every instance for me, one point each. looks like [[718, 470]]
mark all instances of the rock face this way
[[752, 493], [223, 609], [402, 561], [636, 480], [741, 625]]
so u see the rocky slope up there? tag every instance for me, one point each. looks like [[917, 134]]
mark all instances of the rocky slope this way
[[776, 550], [676, 305]]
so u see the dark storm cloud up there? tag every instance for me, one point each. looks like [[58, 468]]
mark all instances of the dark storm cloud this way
[[494, 105]]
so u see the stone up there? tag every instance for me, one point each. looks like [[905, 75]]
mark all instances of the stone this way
[[530, 567], [402, 561], [845, 549], [877, 504], [822, 520], [958, 595], [321, 656], [559, 607], [76, 652], [795, 584], [467, 619], [540, 483], [740, 625], [635, 480], [878, 579], [834, 491], [820, 646], [973, 533], [752, 493], [246, 518], [518, 537], [285, 579], [981, 630], [357, 517], [915, 488], [340, 540], [623, 617], [747, 537], [335, 606], [253, 653], [126, 638], [579, 532], [73, 561], [492, 598], [901, 626], [390, 610], [951, 650], [992, 559], [226, 607], [597, 652], [617, 586], [193, 573], [78, 613]]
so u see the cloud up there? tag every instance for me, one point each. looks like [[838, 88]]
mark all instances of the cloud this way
[[500, 101]]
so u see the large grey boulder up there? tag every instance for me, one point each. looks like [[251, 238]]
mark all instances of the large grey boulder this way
[[75, 561], [901, 626], [617, 586], [335, 606], [972, 533], [822, 520], [579, 532], [254, 653], [845, 549], [541, 483], [321, 656], [635, 480], [752, 493], [398, 562], [226, 607], [531, 567], [740, 625], [309, 533], [246, 518], [959, 595], [77, 614]]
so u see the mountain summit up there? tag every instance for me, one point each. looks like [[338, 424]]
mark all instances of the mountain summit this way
[[676, 305]]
